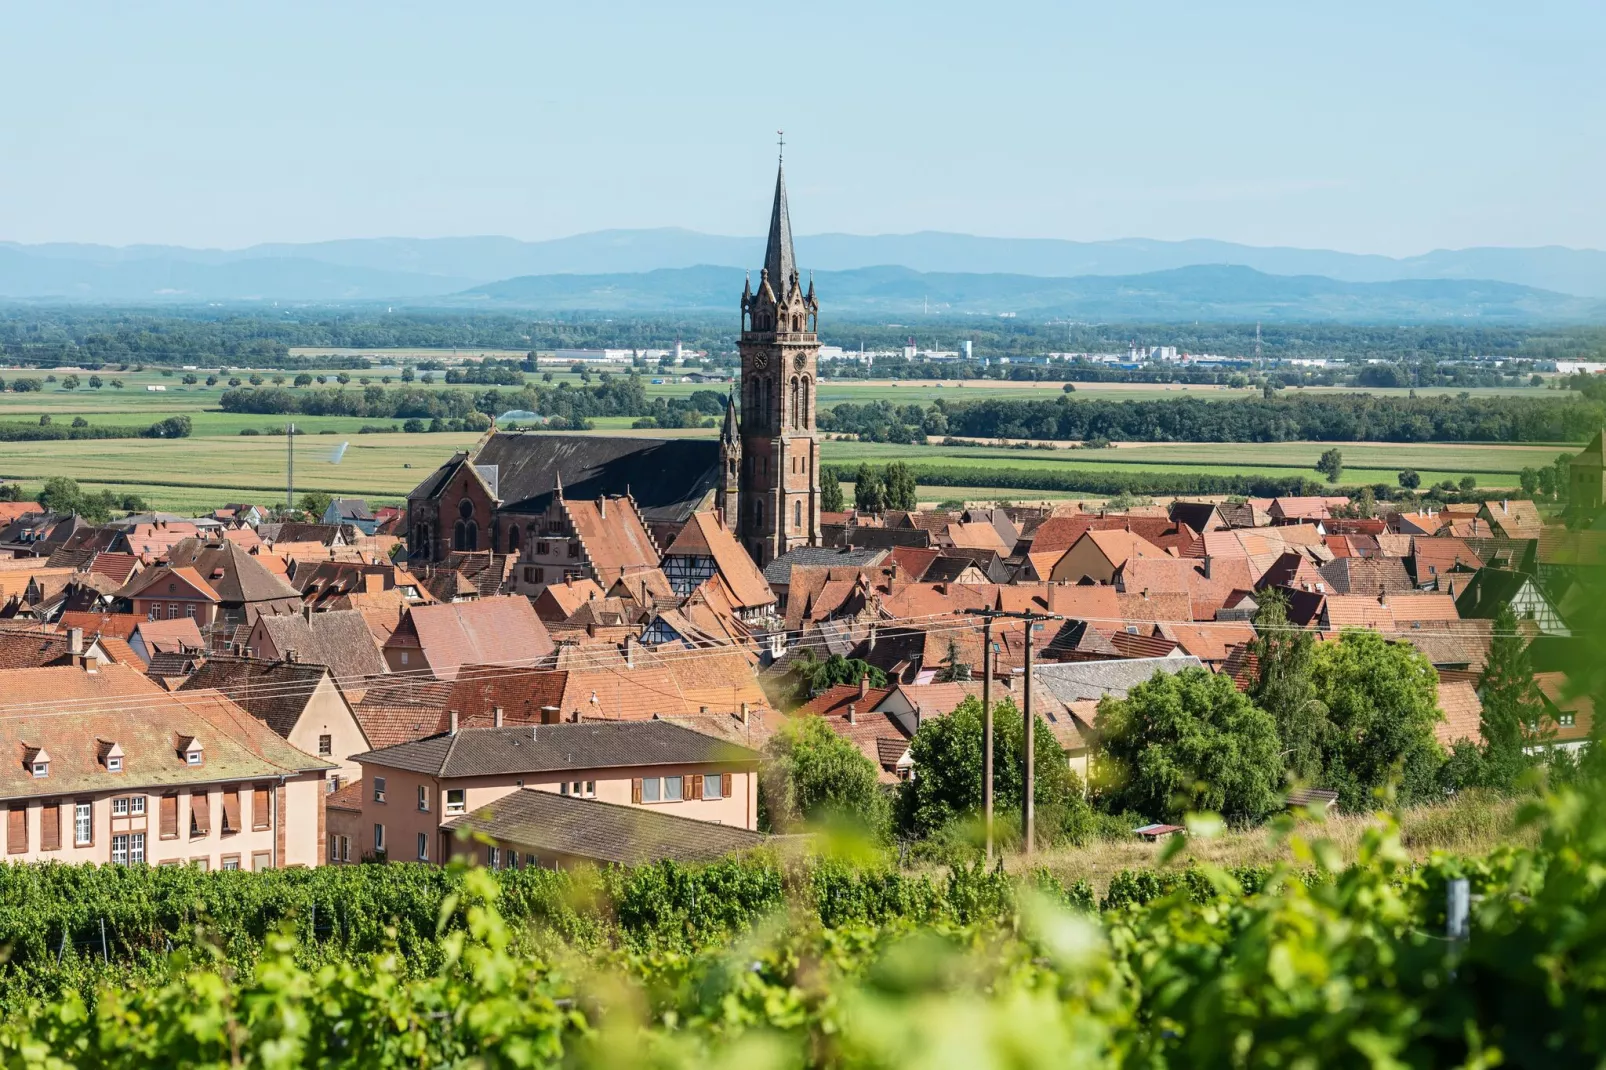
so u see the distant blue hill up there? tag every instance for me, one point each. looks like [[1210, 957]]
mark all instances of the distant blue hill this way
[[1207, 292]]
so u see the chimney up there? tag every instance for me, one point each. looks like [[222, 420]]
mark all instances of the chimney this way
[[75, 643], [1505, 505], [744, 714], [292, 655], [602, 506], [1207, 566], [550, 715], [918, 716], [306, 611], [864, 686], [630, 652], [496, 716], [853, 713], [453, 722], [703, 710]]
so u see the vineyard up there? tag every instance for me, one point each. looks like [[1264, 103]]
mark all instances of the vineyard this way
[[770, 961]]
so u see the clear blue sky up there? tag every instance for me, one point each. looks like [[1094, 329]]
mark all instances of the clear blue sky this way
[[1371, 127]]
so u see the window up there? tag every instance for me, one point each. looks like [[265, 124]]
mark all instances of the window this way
[[493, 857], [155, 612], [797, 515], [563, 788], [1566, 720], [649, 790], [83, 826], [136, 805], [261, 860], [189, 611], [231, 863], [114, 764], [574, 549], [119, 850], [331, 785], [334, 848], [41, 769], [136, 848], [672, 789], [379, 837], [456, 800], [423, 798], [326, 746], [591, 789], [193, 756], [713, 786], [423, 847], [345, 848], [542, 548], [379, 789], [172, 611], [534, 575], [120, 807]]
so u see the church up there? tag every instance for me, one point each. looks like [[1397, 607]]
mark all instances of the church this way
[[762, 475]]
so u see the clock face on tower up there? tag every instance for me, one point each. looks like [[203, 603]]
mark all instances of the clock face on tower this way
[[800, 362], [760, 361]]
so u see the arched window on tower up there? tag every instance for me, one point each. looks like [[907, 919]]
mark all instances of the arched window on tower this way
[[797, 515], [807, 417], [758, 513], [797, 323], [793, 402]]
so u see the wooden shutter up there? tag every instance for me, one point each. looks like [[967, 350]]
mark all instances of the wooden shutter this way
[[231, 810], [50, 827], [17, 829], [635, 790], [261, 817], [200, 814], [169, 825], [694, 789]]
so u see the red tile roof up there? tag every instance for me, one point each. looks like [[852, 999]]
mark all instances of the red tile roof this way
[[1463, 713], [501, 630], [614, 536]]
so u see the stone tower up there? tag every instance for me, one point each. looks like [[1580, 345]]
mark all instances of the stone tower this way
[[778, 499]]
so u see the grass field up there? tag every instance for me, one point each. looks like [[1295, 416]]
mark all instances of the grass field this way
[[219, 464]]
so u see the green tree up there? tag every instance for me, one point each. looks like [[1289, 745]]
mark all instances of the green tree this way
[[1188, 741], [1409, 479], [1364, 503], [901, 489], [303, 379], [343, 378], [315, 502], [954, 667], [189, 379], [1468, 484], [211, 380], [831, 492], [946, 788], [1331, 464], [1511, 702], [95, 382], [117, 384], [1561, 466], [61, 495], [278, 380], [70, 383], [869, 496], [812, 776], [1382, 705], [1286, 689], [814, 675], [1529, 479]]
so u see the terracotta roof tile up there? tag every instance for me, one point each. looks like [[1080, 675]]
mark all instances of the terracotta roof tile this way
[[501, 630], [613, 535], [1463, 714]]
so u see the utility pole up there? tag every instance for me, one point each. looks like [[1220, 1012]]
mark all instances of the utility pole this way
[[1029, 806]]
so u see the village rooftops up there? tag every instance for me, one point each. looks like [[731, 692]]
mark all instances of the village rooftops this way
[[543, 748]]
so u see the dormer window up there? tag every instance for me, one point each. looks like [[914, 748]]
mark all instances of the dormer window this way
[[111, 755], [41, 769], [37, 762], [114, 765], [189, 748], [193, 756]]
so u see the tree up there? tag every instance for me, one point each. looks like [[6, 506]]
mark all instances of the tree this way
[[953, 668], [901, 489], [1364, 503], [1331, 464], [303, 379], [190, 379], [95, 382], [831, 492], [1188, 741], [343, 378], [868, 494], [61, 495], [278, 380], [1285, 688], [813, 776], [946, 788], [1468, 484], [117, 384], [1529, 479], [315, 503], [1409, 479], [211, 380], [1511, 703], [1382, 705], [814, 675], [255, 379]]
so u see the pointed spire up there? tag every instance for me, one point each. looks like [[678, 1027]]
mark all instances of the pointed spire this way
[[779, 259], [558, 476], [729, 433]]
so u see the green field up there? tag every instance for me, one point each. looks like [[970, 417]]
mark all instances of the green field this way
[[218, 464]]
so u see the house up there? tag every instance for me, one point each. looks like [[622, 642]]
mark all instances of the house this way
[[226, 792], [352, 511], [599, 540], [1569, 718], [1200, 516], [706, 548], [1098, 555], [438, 639], [301, 702], [1492, 588], [1463, 714], [338, 638], [1079, 681], [237, 586], [558, 601], [498, 497], [415, 794], [1432, 558], [152, 637]]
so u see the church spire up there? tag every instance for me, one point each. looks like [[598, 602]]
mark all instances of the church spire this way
[[729, 432], [779, 260]]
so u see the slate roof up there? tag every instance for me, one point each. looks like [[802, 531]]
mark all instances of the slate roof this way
[[669, 478], [118, 704], [549, 748], [608, 833], [778, 573], [337, 638], [274, 692], [1075, 681]]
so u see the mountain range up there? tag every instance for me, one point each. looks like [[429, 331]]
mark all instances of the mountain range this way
[[618, 269]]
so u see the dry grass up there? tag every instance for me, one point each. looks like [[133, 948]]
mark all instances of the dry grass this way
[[1472, 824]]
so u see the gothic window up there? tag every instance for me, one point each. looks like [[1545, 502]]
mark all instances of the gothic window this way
[[459, 536], [758, 513], [794, 402], [471, 536], [807, 420], [797, 323], [797, 515], [465, 509]]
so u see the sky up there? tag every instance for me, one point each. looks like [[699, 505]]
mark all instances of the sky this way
[[1391, 128]]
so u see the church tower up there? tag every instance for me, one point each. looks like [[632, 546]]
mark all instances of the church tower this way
[[778, 499]]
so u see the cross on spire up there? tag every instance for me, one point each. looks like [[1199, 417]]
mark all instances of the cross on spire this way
[[780, 136]]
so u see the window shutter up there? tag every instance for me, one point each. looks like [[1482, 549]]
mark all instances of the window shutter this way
[[231, 811], [50, 827], [17, 829], [261, 817], [635, 790], [200, 814], [169, 825], [694, 790]]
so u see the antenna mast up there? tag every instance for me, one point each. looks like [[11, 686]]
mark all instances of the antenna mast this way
[[1257, 343], [290, 471]]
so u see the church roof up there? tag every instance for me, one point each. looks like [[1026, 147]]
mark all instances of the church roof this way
[[669, 478], [779, 260]]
